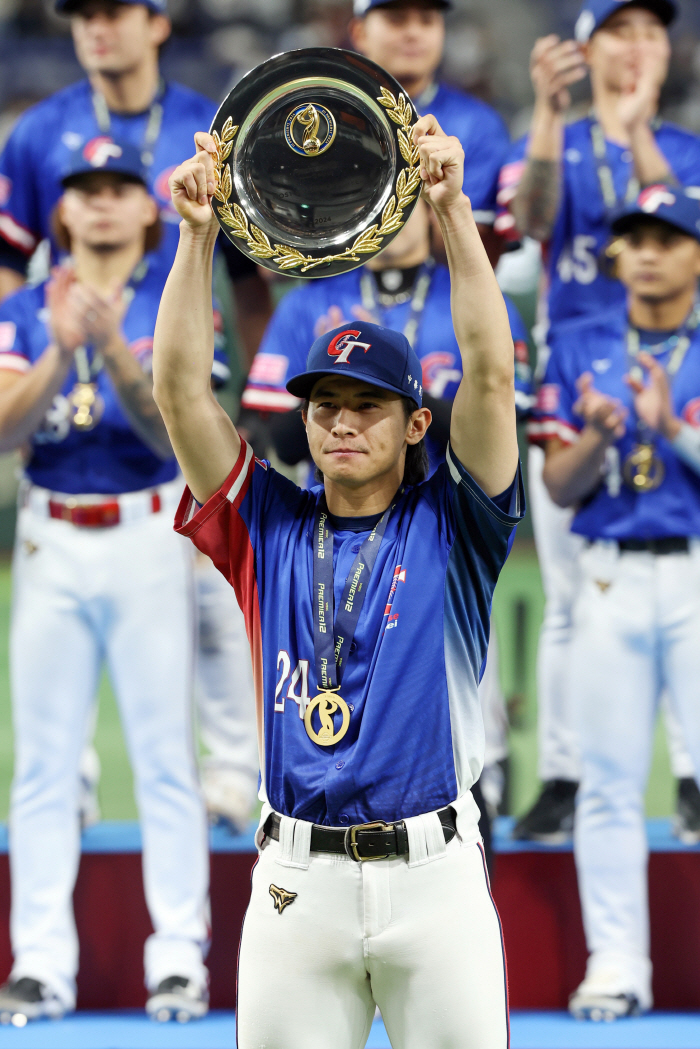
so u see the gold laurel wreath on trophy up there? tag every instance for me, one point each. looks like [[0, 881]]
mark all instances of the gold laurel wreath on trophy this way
[[368, 242]]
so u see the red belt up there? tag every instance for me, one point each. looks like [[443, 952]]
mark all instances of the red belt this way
[[99, 515]]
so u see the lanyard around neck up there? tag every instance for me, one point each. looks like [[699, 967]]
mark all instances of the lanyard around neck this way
[[87, 370], [606, 180], [334, 632], [371, 303], [153, 124]]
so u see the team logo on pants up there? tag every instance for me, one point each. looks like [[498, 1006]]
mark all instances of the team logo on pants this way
[[281, 897]]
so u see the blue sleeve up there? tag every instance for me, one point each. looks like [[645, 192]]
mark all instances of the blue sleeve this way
[[508, 182], [20, 217], [485, 156], [553, 414], [14, 334], [524, 389], [683, 156], [282, 354]]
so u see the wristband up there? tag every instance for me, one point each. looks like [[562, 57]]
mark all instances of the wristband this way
[[687, 446]]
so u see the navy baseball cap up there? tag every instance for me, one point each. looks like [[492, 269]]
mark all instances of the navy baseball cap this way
[[104, 154], [70, 7], [595, 12], [361, 7], [666, 203], [361, 350]]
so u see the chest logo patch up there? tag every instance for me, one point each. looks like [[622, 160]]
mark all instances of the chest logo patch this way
[[281, 897]]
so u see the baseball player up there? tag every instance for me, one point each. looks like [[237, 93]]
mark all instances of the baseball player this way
[[367, 605], [404, 289], [407, 37], [98, 575], [622, 446], [125, 97], [561, 185]]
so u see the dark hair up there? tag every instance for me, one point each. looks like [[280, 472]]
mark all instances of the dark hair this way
[[416, 466]]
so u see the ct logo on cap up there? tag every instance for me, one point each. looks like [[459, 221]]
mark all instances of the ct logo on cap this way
[[98, 151], [342, 345], [651, 199]]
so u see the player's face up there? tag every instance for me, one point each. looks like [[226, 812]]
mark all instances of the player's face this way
[[113, 38], [625, 43], [357, 432], [405, 39], [657, 262], [105, 213]]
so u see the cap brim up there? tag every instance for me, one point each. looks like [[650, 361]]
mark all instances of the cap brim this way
[[665, 9], [302, 385], [77, 176], [629, 220]]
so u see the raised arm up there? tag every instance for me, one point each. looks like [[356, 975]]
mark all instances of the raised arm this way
[[554, 65], [203, 437], [482, 432]]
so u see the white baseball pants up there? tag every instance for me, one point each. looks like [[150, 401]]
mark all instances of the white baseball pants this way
[[420, 938], [224, 676], [122, 595], [558, 550], [636, 631]]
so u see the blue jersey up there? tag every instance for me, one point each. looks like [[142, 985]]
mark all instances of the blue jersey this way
[[110, 458], [41, 142], [483, 135], [614, 511], [415, 740], [303, 314], [577, 287]]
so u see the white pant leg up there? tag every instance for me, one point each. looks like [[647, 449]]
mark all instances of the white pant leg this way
[[682, 765], [224, 672], [436, 959], [150, 647], [557, 551], [55, 656], [679, 599], [615, 686], [423, 942]]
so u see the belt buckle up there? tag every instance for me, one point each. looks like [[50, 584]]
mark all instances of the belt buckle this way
[[351, 846]]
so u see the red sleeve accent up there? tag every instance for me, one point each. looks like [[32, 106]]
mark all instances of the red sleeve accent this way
[[542, 429]]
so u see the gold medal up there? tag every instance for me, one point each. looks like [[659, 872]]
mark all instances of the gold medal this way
[[643, 470], [86, 406], [328, 704]]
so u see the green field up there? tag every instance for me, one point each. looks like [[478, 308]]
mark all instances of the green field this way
[[517, 611]]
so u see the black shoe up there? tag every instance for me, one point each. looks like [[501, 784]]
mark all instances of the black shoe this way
[[27, 999], [551, 819], [177, 998], [686, 822]]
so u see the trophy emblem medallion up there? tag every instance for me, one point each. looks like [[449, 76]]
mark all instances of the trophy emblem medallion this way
[[309, 117]]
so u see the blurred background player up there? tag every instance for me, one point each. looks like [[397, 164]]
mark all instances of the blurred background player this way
[[407, 38], [117, 42], [98, 576], [622, 445], [562, 183], [405, 289]]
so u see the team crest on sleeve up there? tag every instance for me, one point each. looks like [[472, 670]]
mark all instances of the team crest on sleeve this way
[[8, 330], [98, 151], [342, 345], [548, 398], [268, 369], [651, 198], [281, 898]]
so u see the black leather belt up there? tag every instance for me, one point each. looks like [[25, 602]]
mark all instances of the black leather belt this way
[[364, 841], [670, 544]]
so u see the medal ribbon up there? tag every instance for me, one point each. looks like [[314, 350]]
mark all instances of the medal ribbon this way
[[333, 638], [605, 175], [420, 294], [153, 125]]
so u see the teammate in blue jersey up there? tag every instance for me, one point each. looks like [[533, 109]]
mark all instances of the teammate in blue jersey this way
[[619, 414], [406, 37], [562, 185], [124, 98], [98, 575], [378, 584], [401, 288]]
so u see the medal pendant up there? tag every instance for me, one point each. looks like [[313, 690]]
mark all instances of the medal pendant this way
[[328, 703], [643, 470], [86, 406]]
